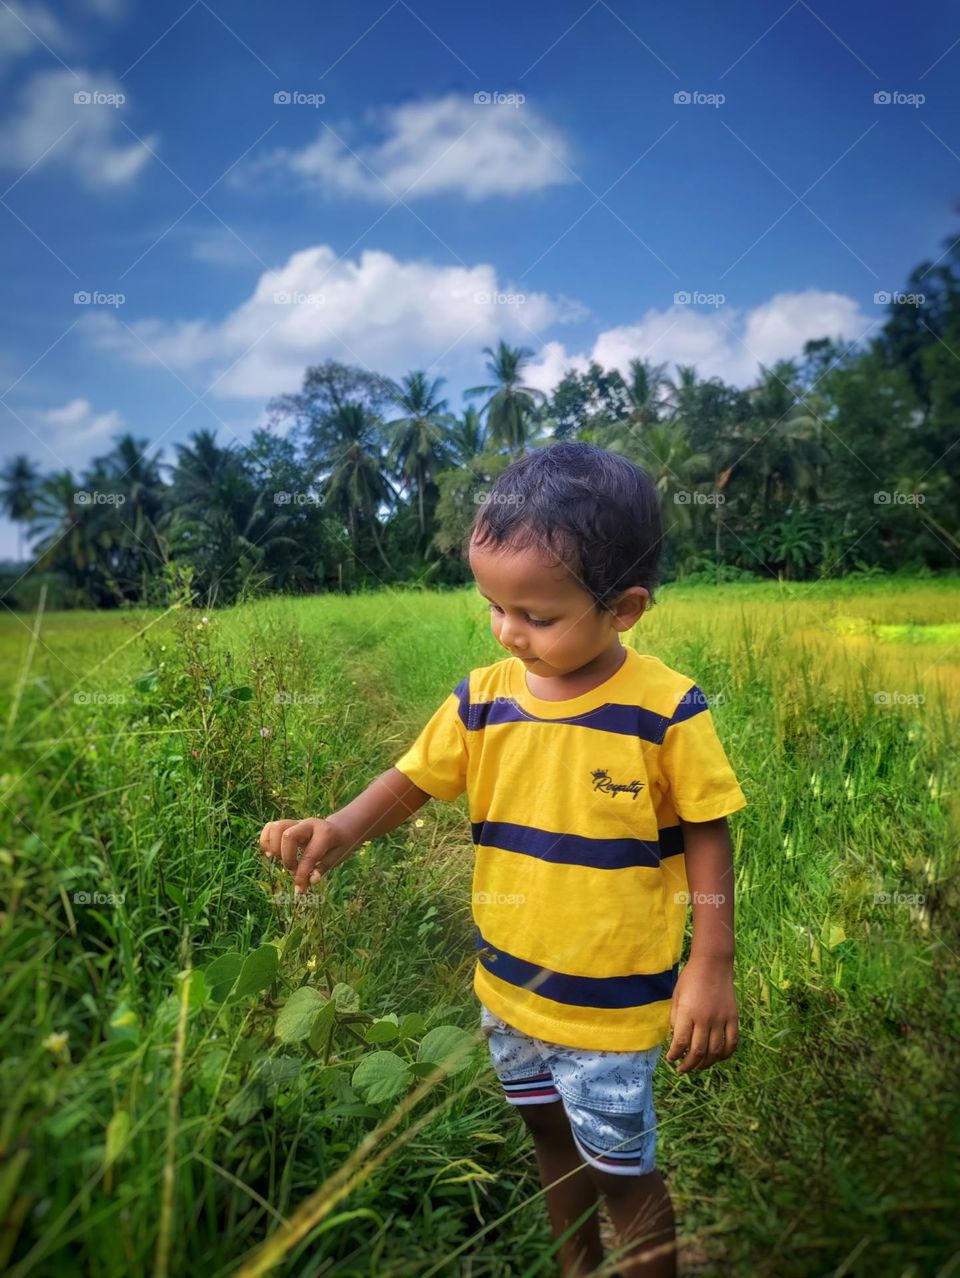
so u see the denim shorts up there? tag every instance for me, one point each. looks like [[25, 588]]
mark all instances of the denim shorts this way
[[608, 1096]]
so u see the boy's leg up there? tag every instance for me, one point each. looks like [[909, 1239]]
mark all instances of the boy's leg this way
[[642, 1216], [567, 1201]]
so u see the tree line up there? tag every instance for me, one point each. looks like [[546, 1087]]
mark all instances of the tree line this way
[[844, 460]]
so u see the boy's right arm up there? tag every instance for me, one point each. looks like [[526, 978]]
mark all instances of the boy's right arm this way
[[386, 803]]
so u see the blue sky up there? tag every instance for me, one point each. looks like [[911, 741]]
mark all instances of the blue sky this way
[[227, 239]]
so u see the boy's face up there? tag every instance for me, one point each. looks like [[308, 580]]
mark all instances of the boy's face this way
[[527, 587]]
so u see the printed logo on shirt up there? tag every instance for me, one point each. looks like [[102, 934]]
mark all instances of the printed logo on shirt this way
[[602, 782]]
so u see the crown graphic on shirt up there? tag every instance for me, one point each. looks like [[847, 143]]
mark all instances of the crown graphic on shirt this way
[[603, 782]]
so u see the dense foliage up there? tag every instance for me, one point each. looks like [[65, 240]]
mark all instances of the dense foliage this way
[[843, 460]]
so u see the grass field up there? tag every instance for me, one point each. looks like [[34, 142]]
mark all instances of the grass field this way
[[191, 1059]]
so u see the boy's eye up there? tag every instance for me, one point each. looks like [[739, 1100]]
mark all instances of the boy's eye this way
[[492, 607]]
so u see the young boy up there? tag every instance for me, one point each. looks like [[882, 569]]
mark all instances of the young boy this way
[[598, 793]]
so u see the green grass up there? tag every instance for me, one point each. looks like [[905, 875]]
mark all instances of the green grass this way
[[173, 1132]]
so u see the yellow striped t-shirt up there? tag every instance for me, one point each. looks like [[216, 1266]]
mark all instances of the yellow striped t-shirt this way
[[579, 886]]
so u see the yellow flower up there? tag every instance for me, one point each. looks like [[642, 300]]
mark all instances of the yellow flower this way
[[56, 1042], [312, 964], [419, 822]]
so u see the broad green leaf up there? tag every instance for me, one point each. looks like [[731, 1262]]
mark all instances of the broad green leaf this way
[[297, 1016], [346, 997], [242, 694], [258, 971], [291, 941], [322, 1028], [447, 1045], [420, 1069], [382, 1032], [221, 975], [381, 1076], [412, 1025], [198, 988]]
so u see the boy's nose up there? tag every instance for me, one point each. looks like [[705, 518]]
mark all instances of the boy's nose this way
[[508, 638]]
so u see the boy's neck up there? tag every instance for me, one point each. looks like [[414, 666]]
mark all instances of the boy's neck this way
[[575, 684]]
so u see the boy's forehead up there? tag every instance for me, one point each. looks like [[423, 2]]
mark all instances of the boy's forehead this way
[[529, 576]]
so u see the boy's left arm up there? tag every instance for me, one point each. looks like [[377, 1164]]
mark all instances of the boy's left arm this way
[[703, 1015]]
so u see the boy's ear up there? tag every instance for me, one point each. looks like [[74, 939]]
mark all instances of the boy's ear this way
[[629, 607]]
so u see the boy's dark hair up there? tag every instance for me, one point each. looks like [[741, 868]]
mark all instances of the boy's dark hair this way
[[598, 512]]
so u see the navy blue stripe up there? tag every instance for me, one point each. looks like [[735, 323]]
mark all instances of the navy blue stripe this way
[[462, 690], [635, 990], [692, 702], [671, 840], [623, 720], [567, 849], [577, 849]]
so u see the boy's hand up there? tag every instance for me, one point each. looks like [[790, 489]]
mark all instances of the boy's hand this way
[[703, 1015], [324, 844]]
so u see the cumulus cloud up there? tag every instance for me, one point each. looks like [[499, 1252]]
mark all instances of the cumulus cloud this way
[[724, 342], [50, 128], [447, 145], [68, 434], [26, 29], [376, 311]]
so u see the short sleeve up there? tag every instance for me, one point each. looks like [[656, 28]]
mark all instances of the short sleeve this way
[[702, 784], [437, 760]]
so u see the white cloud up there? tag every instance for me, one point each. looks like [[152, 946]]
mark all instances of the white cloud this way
[[65, 436], [215, 245], [25, 29], [726, 342], [432, 147], [87, 138], [380, 312]]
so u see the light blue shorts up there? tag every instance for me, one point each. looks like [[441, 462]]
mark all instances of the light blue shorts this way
[[608, 1096]]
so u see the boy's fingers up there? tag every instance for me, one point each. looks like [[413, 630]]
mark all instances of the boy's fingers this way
[[299, 832], [682, 1031], [270, 837], [715, 1048], [313, 864], [696, 1053]]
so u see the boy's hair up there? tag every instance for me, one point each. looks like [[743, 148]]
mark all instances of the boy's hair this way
[[598, 512]]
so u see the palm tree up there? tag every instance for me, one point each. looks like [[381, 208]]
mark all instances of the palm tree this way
[[785, 455], [140, 547], [467, 438], [678, 472], [74, 536], [644, 388], [222, 520], [419, 444], [512, 405], [684, 392], [356, 486], [19, 479]]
